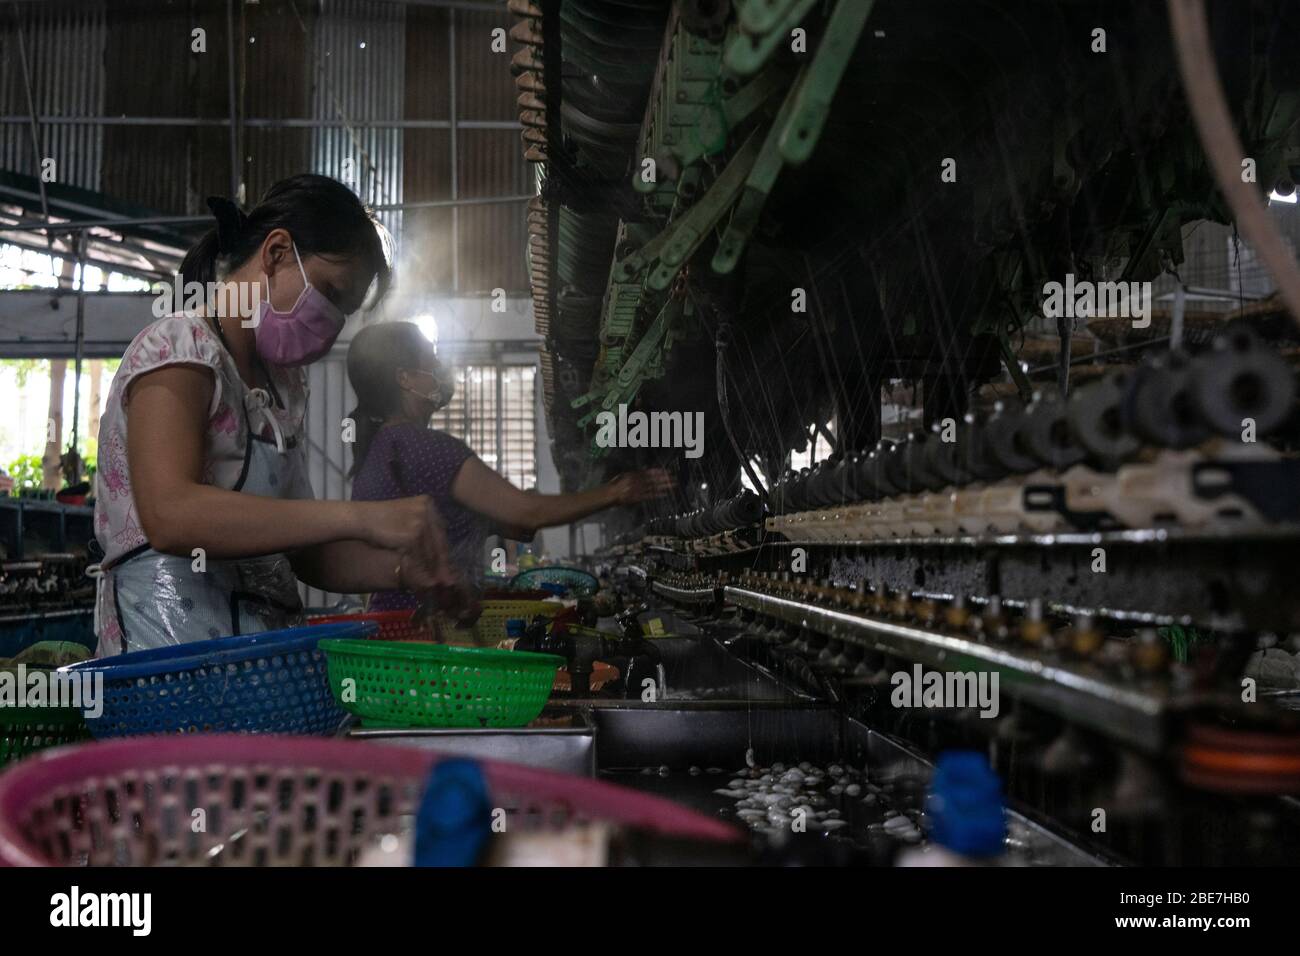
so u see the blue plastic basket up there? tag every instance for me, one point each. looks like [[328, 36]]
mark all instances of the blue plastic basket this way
[[274, 682]]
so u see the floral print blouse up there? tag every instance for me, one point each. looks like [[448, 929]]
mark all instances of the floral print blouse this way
[[186, 340]]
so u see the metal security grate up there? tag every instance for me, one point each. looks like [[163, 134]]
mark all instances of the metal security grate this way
[[518, 425], [493, 412]]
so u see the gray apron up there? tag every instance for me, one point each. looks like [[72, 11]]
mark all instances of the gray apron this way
[[162, 599]]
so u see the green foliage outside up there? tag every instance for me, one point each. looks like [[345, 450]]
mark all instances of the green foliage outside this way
[[26, 472], [33, 374]]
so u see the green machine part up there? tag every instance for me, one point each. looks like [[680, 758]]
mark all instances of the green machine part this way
[[803, 128], [646, 361], [685, 121], [763, 25], [690, 121]]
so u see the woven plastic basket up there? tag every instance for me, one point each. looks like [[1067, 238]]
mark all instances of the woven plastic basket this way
[[393, 625], [274, 682], [578, 582], [272, 801], [431, 685], [490, 628]]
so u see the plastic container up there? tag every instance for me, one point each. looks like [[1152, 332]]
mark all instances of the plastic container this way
[[576, 581], [274, 682], [490, 628], [967, 816], [273, 801], [24, 731], [434, 685], [393, 625], [515, 594]]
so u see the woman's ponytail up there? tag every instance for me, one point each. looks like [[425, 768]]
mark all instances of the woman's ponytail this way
[[200, 263], [375, 355], [366, 425]]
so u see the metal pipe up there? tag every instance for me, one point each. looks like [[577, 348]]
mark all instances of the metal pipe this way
[[263, 122], [499, 398], [15, 195], [1081, 359], [80, 350], [1065, 335], [467, 5], [230, 91], [455, 150], [482, 6], [1136, 715], [1201, 292], [435, 203], [1223, 147], [1176, 323], [35, 125], [33, 225]]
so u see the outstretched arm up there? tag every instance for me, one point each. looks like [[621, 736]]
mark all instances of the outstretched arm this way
[[480, 489]]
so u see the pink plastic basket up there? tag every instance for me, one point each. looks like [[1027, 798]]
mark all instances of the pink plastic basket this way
[[270, 801]]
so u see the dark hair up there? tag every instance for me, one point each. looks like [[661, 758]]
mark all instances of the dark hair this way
[[375, 355], [323, 216]]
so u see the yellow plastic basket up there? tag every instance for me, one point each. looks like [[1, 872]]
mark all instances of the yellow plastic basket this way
[[490, 628]]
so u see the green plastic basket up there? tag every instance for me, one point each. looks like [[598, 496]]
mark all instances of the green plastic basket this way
[[25, 730], [400, 684]]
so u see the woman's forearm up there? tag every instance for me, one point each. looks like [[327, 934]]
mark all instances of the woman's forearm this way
[[232, 524], [547, 511], [482, 490], [348, 567]]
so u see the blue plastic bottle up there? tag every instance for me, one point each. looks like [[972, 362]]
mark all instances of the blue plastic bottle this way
[[455, 817], [967, 817]]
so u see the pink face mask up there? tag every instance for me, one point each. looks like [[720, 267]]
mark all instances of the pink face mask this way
[[304, 333]]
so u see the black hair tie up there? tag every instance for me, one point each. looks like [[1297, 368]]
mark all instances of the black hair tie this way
[[231, 222]]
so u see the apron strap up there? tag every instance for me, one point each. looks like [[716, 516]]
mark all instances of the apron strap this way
[[126, 556], [257, 400]]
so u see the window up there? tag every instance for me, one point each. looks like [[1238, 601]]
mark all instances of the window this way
[[27, 269], [518, 424], [494, 412]]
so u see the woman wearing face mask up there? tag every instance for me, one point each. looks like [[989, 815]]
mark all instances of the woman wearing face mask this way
[[399, 384], [203, 506]]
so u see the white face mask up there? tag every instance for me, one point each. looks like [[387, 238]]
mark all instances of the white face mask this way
[[444, 388]]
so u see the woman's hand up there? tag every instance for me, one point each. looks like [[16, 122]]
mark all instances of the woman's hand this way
[[401, 524], [634, 487], [480, 489], [413, 528]]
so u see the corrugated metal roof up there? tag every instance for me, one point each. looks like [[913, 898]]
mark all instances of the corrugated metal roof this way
[[147, 115], [57, 36], [492, 238], [358, 73]]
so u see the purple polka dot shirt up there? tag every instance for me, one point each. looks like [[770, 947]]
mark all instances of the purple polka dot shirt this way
[[408, 459]]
